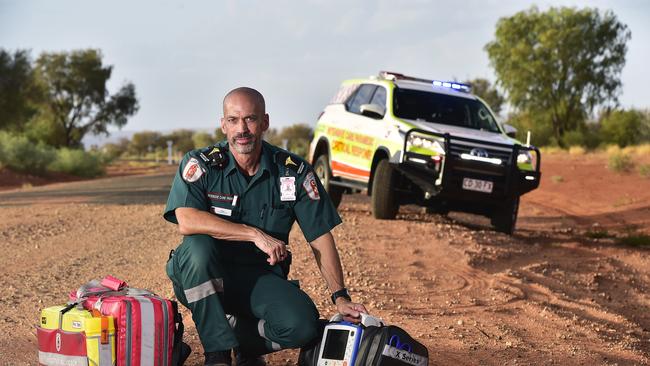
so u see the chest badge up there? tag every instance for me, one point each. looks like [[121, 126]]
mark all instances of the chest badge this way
[[287, 188]]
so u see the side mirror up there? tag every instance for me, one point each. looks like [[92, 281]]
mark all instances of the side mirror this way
[[372, 110], [510, 130]]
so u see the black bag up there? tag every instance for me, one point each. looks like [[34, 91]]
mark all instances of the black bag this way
[[390, 346], [380, 346]]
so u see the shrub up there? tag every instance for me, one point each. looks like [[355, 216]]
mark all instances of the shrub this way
[[577, 150], [19, 154], [78, 162], [622, 127], [620, 162], [635, 240], [644, 170]]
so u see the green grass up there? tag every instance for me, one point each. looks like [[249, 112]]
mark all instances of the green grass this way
[[620, 162], [644, 170], [598, 234], [636, 240]]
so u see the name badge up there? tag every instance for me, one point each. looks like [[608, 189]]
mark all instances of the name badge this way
[[222, 211], [287, 188]]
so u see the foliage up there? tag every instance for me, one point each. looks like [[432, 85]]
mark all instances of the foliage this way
[[219, 135], [620, 162], [202, 139], [541, 131], [577, 150], [143, 142], [182, 140], [644, 170], [21, 155], [113, 151], [623, 127], [486, 91], [78, 162], [18, 92], [636, 240], [77, 99], [559, 64]]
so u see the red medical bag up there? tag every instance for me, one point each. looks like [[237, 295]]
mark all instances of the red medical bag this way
[[147, 325]]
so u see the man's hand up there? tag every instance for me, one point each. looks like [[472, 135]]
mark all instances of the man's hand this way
[[351, 311], [274, 248]]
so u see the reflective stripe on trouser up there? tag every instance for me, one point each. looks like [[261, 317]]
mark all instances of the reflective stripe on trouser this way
[[208, 285], [196, 274]]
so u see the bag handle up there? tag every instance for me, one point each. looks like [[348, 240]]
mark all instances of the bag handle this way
[[367, 320]]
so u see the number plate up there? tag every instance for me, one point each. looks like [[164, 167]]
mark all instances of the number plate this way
[[478, 185]]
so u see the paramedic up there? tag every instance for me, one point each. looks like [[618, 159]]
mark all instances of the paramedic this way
[[235, 203]]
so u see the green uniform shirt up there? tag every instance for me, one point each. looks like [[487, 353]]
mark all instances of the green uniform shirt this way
[[283, 190]]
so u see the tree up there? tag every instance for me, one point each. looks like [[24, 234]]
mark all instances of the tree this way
[[623, 127], [77, 98], [561, 63], [141, 142], [202, 139], [18, 92], [298, 137], [182, 140], [484, 89]]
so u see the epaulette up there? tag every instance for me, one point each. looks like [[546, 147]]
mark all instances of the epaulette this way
[[215, 156], [288, 161]]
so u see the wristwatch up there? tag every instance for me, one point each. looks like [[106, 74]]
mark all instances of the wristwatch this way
[[341, 293]]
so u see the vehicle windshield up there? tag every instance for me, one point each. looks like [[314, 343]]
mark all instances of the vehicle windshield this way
[[442, 108]]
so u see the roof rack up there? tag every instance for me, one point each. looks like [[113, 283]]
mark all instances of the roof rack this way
[[389, 75]]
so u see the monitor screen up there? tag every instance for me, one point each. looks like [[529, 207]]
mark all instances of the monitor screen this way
[[335, 344]]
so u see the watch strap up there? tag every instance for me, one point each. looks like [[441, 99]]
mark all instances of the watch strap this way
[[341, 293]]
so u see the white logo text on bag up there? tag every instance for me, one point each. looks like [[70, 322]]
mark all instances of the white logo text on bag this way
[[404, 356]]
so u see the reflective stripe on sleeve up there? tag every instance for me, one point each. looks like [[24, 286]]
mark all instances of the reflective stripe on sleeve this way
[[204, 290]]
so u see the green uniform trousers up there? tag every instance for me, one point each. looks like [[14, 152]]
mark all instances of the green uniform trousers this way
[[247, 305]]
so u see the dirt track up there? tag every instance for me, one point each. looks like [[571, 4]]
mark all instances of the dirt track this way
[[548, 295]]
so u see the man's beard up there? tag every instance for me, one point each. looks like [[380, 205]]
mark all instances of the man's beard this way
[[243, 149]]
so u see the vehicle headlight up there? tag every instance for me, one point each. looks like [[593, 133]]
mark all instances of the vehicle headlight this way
[[434, 146], [524, 158]]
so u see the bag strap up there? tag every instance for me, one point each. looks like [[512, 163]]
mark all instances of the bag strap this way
[[63, 311], [180, 350]]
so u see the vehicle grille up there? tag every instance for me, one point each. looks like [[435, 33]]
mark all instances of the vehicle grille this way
[[493, 152]]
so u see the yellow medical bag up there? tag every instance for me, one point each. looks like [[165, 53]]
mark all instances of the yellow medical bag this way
[[54, 330]]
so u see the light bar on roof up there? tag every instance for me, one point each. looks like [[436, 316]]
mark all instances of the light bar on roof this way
[[451, 84], [445, 84]]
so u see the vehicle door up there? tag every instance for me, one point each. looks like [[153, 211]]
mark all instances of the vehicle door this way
[[353, 147]]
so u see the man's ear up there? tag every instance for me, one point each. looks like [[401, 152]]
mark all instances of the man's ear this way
[[266, 124], [223, 129]]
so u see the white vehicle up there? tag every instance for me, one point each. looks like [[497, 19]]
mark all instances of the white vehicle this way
[[416, 141]]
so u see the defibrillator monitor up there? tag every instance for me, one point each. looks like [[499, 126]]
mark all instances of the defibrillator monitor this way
[[339, 344]]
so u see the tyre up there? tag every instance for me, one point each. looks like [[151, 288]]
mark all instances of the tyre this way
[[384, 197], [504, 217], [324, 173]]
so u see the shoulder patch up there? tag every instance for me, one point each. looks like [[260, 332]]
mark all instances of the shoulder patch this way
[[192, 171], [310, 186]]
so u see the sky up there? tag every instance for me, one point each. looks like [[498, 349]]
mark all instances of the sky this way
[[184, 56]]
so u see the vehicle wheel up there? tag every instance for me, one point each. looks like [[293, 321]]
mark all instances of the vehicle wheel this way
[[504, 217], [324, 173], [384, 197]]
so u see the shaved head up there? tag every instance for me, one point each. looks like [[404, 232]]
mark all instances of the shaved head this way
[[250, 93]]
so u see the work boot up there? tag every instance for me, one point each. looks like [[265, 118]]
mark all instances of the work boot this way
[[243, 359], [219, 358]]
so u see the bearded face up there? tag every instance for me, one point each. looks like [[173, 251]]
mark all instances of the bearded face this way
[[244, 123]]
